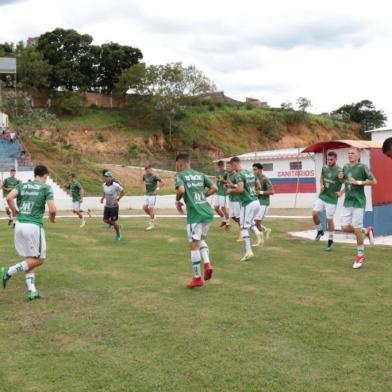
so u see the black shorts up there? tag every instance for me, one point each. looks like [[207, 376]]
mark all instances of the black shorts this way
[[110, 213]]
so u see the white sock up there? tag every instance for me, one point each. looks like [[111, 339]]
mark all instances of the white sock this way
[[245, 236], [204, 252], [361, 250], [30, 281], [330, 235], [319, 227], [19, 267], [196, 260], [254, 229], [264, 228]]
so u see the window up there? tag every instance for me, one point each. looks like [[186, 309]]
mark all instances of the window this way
[[268, 167], [296, 165]]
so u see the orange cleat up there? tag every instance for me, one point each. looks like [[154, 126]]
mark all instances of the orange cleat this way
[[195, 282], [240, 239], [208, 271]]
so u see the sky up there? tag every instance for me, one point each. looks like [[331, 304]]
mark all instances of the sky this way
[[332, 52]]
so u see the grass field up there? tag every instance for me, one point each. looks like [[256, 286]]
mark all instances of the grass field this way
[[117, 316]]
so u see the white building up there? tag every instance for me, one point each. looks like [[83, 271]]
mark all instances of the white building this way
[[291, 172], [380, 134], [3, 120]]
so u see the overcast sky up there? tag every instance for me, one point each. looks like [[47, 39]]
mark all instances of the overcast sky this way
[[332, 52]]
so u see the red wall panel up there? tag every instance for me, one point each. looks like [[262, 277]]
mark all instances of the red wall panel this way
[[381, 167]]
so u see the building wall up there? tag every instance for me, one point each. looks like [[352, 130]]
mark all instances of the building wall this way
[[380, 136], [3, 120]]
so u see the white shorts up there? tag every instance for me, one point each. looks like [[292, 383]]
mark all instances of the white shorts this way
[[262, 212], [150, 201], [235, 209], [249, 213], [197, 230], [352, 216], [320, 206], [76, 205], [30, 240], [220, 201]]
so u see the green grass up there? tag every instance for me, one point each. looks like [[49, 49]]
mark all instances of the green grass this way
[[117, 316]]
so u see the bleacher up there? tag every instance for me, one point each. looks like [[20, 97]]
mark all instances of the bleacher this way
[[10, 157]]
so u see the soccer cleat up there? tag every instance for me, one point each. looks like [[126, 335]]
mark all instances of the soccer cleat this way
[[248, 256], [268, 233], [34, 295], [10, 221], [82, 224], [358, 262], [239, 239], [118, 237], [369, 235], [151, 226], [319, 234], [207, 271], [260, 239], [329, 246], [89, 213], [195, 282], [4, 276], [223, 224]]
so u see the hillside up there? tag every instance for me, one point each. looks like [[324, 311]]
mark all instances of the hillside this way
[[111, 136]]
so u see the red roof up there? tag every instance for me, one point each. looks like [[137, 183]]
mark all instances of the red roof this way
[[323, 146]]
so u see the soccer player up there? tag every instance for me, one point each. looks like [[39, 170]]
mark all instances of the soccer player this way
[[31, 198], [8, 185], [112, 194], [234, 198], [77, 193], [387, 147], [220, 197], [266, 190], [330, 191], [246, 184], [153, 183], [190, 186], [355, 176]]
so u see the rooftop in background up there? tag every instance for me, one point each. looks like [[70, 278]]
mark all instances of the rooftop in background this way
[[323, 146], [383, 129], [283, 153]]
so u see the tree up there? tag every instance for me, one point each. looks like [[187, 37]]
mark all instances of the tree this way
[[113, 59], [163, 88], [286, 105], [303, 103], [363, 112], [72, 57]]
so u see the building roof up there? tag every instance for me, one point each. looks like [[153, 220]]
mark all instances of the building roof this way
[[383, 129], [268, 155], [362, 144]]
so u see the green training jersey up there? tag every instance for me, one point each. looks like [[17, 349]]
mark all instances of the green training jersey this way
[[330, 175], [31, 200], [151, 182], [266, 186], [76, 188], [355, 194], [197, 207], [234, 197], [221, 175], [10, 182], [249, 180]]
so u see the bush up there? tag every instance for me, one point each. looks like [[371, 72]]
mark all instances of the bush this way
[[68, 103], [102, 138]]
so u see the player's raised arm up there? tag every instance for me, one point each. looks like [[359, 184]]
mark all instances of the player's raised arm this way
[[11, 202]]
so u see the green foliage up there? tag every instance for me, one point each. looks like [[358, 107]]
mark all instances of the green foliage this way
[[68, 103], [363, 112], [102, 138], [303, 104]]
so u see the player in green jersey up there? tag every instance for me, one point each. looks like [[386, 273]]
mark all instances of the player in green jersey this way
[[330, 191], [266, 190], [247, 185], [220, 202], [234, 198], [190, 186], [355, 176], [387, 147], [8, 185], [77, 194], [31, 198], [153, 183]]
